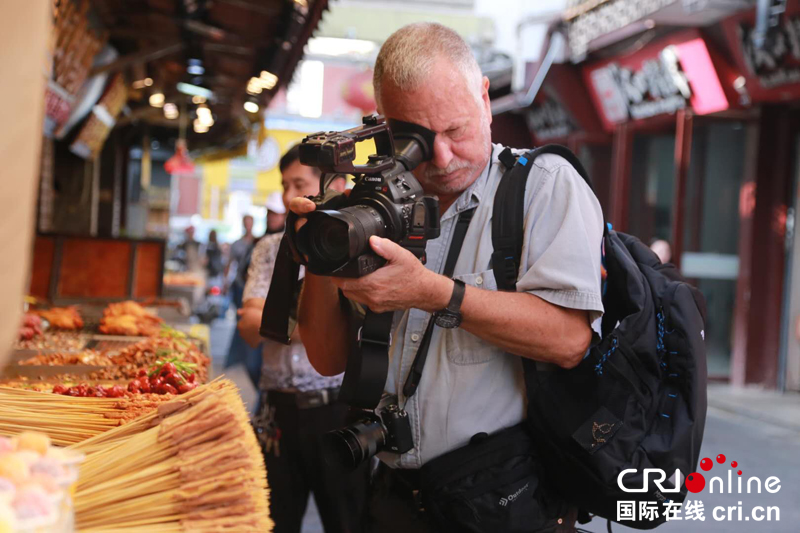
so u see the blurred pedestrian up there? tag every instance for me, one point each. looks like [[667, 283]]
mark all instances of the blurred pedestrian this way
[[662, 249], [239, 353], [189, 251], [239, 250], [213, 259]]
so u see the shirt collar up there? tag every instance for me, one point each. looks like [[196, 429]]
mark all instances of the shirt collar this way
[[473, 195]]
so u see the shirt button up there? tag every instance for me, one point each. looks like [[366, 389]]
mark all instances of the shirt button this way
[[295, 358], [479, 280], [414, 337]]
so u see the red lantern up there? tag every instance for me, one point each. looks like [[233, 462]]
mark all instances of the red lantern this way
[[179, 164]]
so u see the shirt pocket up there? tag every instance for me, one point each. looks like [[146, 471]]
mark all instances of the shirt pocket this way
[[464, 348]]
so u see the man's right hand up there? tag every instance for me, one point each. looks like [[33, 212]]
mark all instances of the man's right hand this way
[[301, 206]]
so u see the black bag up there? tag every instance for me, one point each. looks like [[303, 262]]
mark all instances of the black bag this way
[[638, 399], [493, 484]]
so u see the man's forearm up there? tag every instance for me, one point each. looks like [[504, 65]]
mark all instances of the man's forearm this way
[[323, 326], [250, 321], [521, 323]]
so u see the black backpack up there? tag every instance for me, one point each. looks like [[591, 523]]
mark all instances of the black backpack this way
[[638, 399]]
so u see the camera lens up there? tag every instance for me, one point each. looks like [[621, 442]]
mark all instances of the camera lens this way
[[331, 241], [358, 442], [335, 237]]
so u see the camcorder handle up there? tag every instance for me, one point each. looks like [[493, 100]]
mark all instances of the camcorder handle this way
[[335, 152]]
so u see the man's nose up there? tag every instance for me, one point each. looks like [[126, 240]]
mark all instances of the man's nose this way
[[442, 155]]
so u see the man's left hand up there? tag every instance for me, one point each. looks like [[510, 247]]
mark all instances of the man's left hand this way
[[402, 283]]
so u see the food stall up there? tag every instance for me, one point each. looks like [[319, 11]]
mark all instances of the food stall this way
[[122, 415], [109, 414]]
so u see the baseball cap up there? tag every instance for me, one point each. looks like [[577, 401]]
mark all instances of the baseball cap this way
[[275, 203]]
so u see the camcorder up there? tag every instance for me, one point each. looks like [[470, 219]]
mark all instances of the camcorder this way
[[387, 200]]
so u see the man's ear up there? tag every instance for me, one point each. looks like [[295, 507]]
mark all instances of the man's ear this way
[[487, 104]]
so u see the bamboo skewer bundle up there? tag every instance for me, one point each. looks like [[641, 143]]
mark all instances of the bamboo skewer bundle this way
[[199, 468], [69, 420], [103, 441], [66, 420]]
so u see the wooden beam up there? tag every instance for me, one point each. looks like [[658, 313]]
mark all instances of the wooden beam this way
[[228, 49], [130, 33], [206, 30], [142, 56], [261, 9]]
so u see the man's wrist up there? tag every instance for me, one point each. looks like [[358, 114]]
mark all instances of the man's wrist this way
[[439, 294]]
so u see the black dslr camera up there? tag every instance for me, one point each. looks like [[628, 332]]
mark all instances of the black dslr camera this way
[[370, 434], [387, 199]]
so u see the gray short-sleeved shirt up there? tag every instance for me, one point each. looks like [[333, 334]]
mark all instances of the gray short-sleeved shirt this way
[[468, 385]]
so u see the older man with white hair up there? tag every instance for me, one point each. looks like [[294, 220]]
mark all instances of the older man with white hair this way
[[473, 378]]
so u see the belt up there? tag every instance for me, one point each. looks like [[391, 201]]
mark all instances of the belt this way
[[305, 399]]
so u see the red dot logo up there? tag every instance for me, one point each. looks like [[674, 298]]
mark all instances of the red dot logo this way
[[734, 464], [720, 458], [740, 472], [695, 482], [706, 464]]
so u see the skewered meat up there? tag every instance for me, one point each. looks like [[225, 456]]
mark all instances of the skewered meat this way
[[62, 317], [129, 318]]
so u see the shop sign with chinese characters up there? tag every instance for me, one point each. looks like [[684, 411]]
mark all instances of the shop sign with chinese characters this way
[[659, 79], [772, 72]]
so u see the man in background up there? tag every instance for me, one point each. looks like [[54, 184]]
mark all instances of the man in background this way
[[239, 250], [298, 405], [239, 353], [189, 251]]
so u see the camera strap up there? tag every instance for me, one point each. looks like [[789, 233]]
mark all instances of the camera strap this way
[[415, 374], [368, 364], [280, 309]]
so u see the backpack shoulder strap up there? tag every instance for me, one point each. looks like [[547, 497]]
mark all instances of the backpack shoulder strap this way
[[508, 214]]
